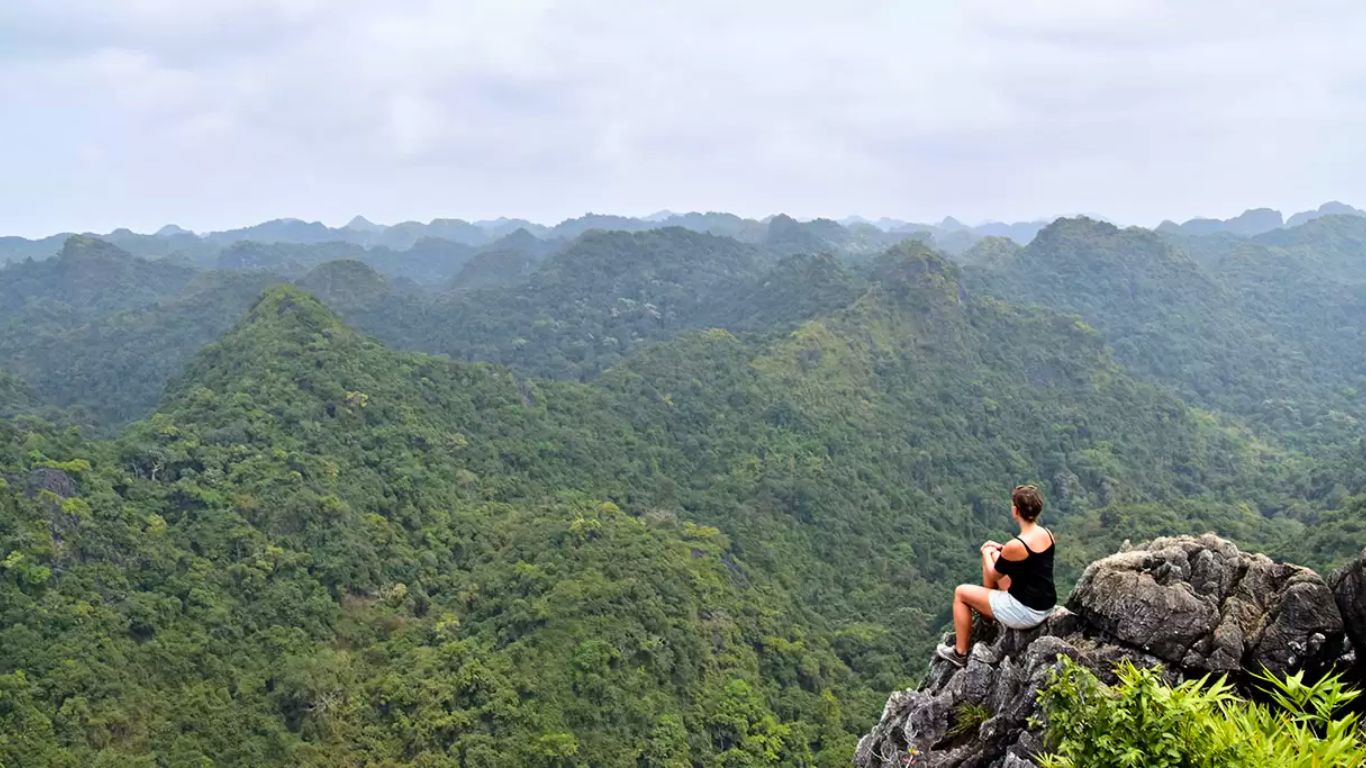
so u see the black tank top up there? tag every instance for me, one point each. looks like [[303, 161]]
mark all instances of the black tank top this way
[[1031, 579]]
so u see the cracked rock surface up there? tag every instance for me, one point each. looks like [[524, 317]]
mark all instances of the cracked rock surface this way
[[1190, 604]]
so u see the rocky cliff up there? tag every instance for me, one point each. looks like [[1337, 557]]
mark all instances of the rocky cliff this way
[[1191, 604]]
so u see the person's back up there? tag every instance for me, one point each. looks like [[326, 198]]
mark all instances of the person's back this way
[[1017, 578], [1029, 564]]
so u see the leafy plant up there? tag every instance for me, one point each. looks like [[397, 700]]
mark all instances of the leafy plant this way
[[1143, 721], [967, 718]]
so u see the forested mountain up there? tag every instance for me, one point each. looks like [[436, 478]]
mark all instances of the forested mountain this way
[[852, 235], [286, 515], [112, 367], [797, 288], [1331, 208], [507, 260], [1321, 311], [1228, 335], [1332, 245], [20, 248], [284, 258], [585, 308], [346, 284], [431, 261], [88, 276], [1144, 296], [15, 396], [667, 498], [784, 234], [1246, 224], [352, 534]]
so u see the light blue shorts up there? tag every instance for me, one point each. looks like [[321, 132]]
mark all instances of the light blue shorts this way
[[1013, 613]]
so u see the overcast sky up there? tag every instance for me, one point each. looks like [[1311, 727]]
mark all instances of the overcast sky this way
[[218, 113]]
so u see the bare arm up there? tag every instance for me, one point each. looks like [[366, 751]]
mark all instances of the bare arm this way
[[990, 578], [1014, 551]]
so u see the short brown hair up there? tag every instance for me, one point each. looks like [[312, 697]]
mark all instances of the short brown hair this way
[[1028, 501]]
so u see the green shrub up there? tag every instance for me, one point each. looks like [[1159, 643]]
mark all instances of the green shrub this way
[[1142, 721], [967, 718]]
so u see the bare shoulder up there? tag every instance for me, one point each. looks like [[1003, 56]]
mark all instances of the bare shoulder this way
[[1014, 550]]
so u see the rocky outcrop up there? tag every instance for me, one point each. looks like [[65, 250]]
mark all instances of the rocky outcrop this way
[[1349, 590], [1193, 605], [52, 480], [1203, 605]]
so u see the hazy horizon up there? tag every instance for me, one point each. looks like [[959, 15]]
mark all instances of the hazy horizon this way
[[139, 114], [842, 219]]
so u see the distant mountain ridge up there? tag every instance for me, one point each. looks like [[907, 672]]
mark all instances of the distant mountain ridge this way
[[787, 234], [359, 231], [1331, 208], [1269, 305], [1256, 221], [1247, 224], [1164, 314], [88, 275]]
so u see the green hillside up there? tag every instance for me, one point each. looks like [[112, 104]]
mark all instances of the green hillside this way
[[797, 288], [1334, 246], [87, 276], [1249, 332], [732, 539], [585, 308], [111, 367], [15, 395], [317, 545], [319, 552], [506, 261]]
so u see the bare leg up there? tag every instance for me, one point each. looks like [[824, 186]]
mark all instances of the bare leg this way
[[966, 598]]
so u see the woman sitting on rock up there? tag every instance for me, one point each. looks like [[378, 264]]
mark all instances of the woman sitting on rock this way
[[1017, 579]]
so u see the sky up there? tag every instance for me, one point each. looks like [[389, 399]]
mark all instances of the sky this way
[[219, 113]]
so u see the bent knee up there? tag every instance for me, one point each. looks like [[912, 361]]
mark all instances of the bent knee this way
[[961, 591]]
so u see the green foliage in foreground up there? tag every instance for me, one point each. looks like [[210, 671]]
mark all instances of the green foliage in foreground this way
[[1143, 721]]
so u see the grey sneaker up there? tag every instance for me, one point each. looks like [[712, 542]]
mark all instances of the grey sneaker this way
[[951, 655]]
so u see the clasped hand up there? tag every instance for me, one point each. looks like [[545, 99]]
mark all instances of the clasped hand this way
[[990, 546]]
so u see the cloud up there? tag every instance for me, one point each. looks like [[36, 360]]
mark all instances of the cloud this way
[[222, 112]]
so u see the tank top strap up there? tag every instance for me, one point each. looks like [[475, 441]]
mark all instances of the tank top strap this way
[[1026, 545]]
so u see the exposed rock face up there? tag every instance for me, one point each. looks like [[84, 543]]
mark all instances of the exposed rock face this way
[[1191, 604], [1204, 605], [53, 480], [1349, 589]]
